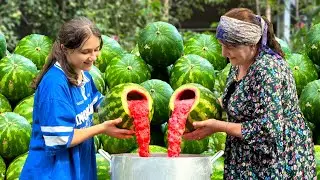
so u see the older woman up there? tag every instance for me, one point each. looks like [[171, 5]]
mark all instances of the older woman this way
[[267, 135]]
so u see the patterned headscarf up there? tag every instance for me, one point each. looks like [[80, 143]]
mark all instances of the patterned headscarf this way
[[235, 31]]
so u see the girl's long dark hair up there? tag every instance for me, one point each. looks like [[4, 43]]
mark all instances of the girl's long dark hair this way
[[72, 35]]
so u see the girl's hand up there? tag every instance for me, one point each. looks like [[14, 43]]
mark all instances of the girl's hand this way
[[110, 129]]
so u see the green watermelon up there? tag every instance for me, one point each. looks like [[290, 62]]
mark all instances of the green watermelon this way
[[318, 69], [160, 92], [154, 149], [2, 169], [192, 69], [95, 118], [217, 141], [313, 44], [284, 46], [25, 108], [317, 159], [208, 47], [14, 135], [115, 104], [3, 45], [115, 146], [110, 49], [135, 50], [103, 168], [98, 79], [128, 68], [35, 47], [190, 146], [160, 44], [221, 79], [17, 73], [205, 105], [15, 167], [4, 104], [218, 169], [303, 70], [8, 53], [309, 102]]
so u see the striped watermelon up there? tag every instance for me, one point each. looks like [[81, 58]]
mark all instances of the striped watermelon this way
[[160, 92], [25, 108], [110, 49], [217, 166], [284, 46], [125, 69], [189, 146], [103, 168], [4, 104], [35, 47], [208, 47], [2, 169], [115, 104], [309, 102], [3, 45], [154, 149], [15, 167], [221, 79], [313, 44], [98, 79], [160, 44], [217, 141], [14, 135], [115, 146], [205, 104], [192, 69], [317, 159], [303, 70], [17, 73]]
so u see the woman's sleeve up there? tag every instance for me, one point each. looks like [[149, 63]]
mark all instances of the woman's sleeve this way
[[266, 125], [57, 123]]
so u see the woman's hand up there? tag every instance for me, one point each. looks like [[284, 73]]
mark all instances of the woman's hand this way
[[110, 129], [203, 129]]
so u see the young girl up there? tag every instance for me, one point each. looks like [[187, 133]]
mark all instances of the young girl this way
[[61, 145]]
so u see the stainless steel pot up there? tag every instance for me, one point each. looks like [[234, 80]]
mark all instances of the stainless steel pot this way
[[160, 167]]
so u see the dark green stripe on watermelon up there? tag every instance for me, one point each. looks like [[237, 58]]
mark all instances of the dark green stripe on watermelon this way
[[125, 69], [15, 167], [4, 104], [313, 44], [25, 108], [204, 107], [17, 74], [14, 135], [35, 47], [160, 92], [192, 68], [110, 49], [3, 45], [160, 44], [309, 102], [115, 104], [208, 47], [304, 71]]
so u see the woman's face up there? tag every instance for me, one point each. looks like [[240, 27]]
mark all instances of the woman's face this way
[[83, 57], [238, 54]]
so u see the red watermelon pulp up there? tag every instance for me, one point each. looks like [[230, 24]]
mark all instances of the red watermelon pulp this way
[[138, 107], [177, 121]]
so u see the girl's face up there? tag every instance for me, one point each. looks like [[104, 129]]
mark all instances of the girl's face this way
[[238, 54], [83, 57]]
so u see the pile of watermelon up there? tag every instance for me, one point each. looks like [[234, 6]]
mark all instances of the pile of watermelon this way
[[163, 69]]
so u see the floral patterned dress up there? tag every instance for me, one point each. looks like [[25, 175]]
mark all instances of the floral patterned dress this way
[[276, 141]]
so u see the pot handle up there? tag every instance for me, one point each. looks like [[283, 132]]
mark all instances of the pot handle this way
[[105, 154], [216, 156]]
